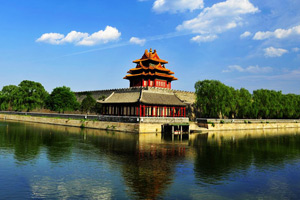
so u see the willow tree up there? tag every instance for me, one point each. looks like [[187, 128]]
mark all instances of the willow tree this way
[[30, 95], [214, 99]]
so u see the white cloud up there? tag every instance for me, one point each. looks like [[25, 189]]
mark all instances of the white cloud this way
[[204, 38], [245, 34], [278, 33], [274, 52], [296, 49], [79, 38], [108, 35], [74, 36], [174, 6], [250, 69], [51, 38], [219, 18], [135, 40]]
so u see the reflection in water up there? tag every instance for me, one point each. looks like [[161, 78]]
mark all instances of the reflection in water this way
[[46, 161], [221, 154], [146, 164]]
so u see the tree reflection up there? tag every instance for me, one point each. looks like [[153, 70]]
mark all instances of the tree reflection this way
[[220, 156], [27, 140]]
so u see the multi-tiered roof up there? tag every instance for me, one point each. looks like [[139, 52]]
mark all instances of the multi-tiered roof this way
[[150, 68]]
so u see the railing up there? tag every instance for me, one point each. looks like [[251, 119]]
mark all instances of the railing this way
[[237, 121], [53, 115]]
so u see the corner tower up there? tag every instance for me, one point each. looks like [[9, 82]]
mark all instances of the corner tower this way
[[150, 71]]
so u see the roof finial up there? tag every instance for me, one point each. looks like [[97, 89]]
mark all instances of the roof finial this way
[[150, 50]]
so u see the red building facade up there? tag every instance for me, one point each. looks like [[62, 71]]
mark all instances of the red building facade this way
[[150, 71], [145, 98]]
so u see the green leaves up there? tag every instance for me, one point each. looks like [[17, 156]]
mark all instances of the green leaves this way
[[88, 104], [216, 100], [27, 96], [62, 99]]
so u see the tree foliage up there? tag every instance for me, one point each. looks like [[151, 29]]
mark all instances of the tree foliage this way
[[28, 95], [216, 100], [88, 104], [62, 99], [7, 97]]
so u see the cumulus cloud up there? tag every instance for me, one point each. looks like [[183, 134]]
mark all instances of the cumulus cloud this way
[[274, 52], [204, 38], [245, 34], [51, 38], [74, 36], [135, 40], [278, 33], [250, 69], [174, 6], [219, 18], [78, 38]]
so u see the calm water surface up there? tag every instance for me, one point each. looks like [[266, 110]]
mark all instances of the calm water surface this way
[[55, 162]]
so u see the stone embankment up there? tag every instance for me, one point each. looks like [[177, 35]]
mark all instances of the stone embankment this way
[[72, 120], [245, 124], [112, 123]]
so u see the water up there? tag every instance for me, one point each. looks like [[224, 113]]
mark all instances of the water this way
[[55, 162]]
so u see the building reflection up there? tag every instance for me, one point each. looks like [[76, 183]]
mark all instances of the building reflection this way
[[146, 162], [147, 166]]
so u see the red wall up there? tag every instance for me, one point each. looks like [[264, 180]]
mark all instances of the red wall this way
[[150, 83]]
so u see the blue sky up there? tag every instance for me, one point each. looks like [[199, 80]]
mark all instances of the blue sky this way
[[90, 44]]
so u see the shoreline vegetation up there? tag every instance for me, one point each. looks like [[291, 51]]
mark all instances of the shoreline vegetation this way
[[217, 100], [32, 96], [213, 100]]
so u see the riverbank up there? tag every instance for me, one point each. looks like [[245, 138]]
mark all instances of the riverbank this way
[[245, 124], [113, 123], [95, 124], [149, 125]]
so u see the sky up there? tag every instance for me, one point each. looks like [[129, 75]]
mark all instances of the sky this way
[[90, 44]]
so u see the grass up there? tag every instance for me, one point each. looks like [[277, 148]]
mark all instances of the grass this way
[[212, 123]]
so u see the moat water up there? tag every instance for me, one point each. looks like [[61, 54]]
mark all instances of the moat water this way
[[55, 162]]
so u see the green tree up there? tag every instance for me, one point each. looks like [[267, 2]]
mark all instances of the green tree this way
[[88, 104], [214, 99], [244, 103], [29, 95], [62, 99], [7, 96], [268, 103]]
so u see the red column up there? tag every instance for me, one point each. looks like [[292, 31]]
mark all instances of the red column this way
[[140, 110], [184, 112], [165, 111], [173, 111], [144, 109]]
